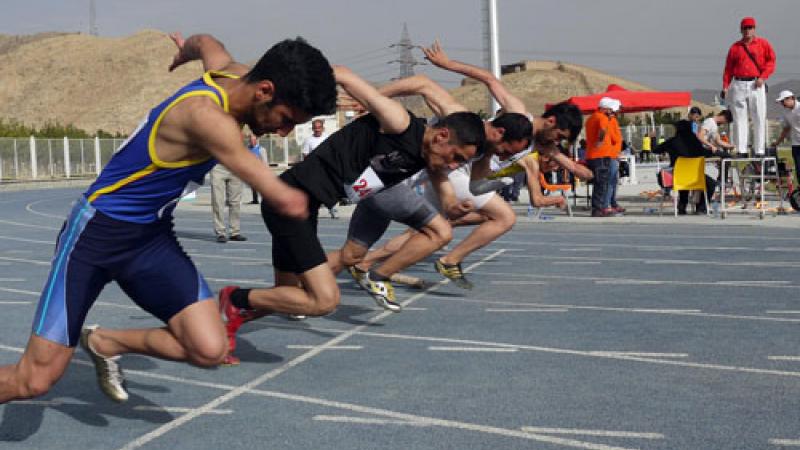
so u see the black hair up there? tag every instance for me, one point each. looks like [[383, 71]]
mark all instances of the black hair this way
[[517, 127], [302, 76], [466, 128], [727, 114], [568, 117], [695, 110]]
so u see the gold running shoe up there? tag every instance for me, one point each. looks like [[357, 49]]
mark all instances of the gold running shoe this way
[[453, 273], [109, 374], [382, 292]]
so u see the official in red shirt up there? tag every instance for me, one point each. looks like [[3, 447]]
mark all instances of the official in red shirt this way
[[750, 62]]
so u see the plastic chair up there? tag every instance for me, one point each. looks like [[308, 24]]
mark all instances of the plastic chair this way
[[554, 187], [689, 174]]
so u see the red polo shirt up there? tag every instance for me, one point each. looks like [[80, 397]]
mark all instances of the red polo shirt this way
[[739, 65]]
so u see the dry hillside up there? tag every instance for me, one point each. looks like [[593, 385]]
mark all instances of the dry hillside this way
[[90, 82], [110, 83]]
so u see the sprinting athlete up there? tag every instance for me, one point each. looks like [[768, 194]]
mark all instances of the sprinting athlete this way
[[121, 228], [372, 153], [493, 216]]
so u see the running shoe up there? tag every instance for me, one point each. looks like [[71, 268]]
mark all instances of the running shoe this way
[[109, 374], [357, 274], [296, 317], [382, 292], [453, 273], [234, 319]]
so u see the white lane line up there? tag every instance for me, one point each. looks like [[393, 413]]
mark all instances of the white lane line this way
[[472, 349], [785, 442], [29, 208], [333, 347], [11, 302], [784, 358], [606, 433], [12, 279], [681, 262], [414, 308], [519, 282], [725, 236], [175, 423], [778, 311], [30, 225], [642, 354], [178, 409], [250, 263], [575, 263], [23, 260], [117, 305], [733, 283], [234, 250], [20, 291], [516, 310], [368, 420], [230, 258], [582, 249], [240, 282]]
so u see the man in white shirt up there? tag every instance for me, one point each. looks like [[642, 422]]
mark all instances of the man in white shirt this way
[[791, 122], [709, 135], [317, 136]]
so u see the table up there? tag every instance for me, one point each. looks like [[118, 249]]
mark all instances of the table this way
[[764, 160]]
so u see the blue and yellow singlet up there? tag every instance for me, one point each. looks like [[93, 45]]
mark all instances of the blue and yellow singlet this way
[[136, 186]]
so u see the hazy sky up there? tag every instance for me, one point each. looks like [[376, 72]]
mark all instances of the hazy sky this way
[[668, 44]]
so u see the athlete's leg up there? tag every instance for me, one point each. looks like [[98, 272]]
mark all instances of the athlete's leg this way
[[471, 218], [433, 236], [42, 364], [500, 219], [395, 244], [319, 294], [196, 335]]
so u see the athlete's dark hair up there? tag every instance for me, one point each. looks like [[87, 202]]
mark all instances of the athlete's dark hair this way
[[726, 113], [517, 126], [466, 128], [302, 76], [568, 117]]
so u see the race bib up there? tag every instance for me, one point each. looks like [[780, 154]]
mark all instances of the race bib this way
[[365, 185]]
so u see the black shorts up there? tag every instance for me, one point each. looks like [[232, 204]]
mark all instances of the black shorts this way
[[295, 245]]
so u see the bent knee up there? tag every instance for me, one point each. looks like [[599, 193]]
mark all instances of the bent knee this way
[[35, 386], [325, 302], [209, 354]]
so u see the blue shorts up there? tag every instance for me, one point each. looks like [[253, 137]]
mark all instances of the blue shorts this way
[[93, 249]]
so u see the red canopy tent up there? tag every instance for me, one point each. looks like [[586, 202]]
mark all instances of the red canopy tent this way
[[632, 101]]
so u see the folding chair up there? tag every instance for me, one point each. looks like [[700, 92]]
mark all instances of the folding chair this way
[[689, 174]]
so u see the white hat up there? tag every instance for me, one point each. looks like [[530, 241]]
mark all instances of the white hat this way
[[607, 102], [784, 95], [616, 106]]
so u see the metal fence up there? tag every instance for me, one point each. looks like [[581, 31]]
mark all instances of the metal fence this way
[[34, 158]]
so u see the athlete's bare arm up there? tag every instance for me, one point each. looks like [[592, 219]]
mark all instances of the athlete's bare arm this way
[[508, 101], [436, 97], [200, 123], [207, 49], [579, 170], [392, 116], [537, 199], [447, 196]]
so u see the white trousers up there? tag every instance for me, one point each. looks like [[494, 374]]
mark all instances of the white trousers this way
[[744, 100]]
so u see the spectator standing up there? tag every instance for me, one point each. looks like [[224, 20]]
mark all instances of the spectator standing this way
[[647, 148], [317, 137], [226, 190], [791, 123], [750, 62], [616, 145], [599, 154], [582, 150], [256, 149]]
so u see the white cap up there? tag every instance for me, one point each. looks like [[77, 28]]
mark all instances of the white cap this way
[[784, 95], [616, 106], [607, 102]]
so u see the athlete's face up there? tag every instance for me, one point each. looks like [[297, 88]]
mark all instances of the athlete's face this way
[[549, 134], [443, 155], [503, 149], [276, 118]]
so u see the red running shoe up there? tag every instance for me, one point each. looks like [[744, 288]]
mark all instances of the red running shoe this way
[[234, 318]]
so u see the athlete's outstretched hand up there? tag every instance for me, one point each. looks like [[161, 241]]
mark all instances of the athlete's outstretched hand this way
[[436, 55], [291, 203], [179, 58]]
